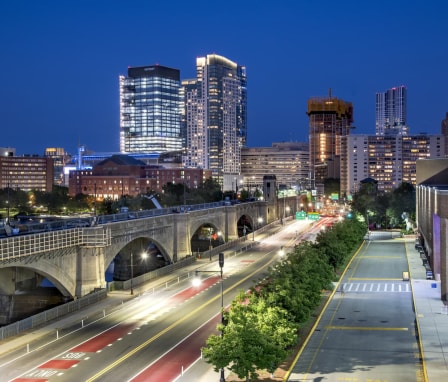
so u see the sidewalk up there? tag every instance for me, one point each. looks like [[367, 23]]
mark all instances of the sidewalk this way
[[432, 317]]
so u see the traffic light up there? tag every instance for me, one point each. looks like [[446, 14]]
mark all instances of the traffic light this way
[[221, 259]]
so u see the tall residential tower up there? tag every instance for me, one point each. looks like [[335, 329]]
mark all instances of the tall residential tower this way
[[216, 117], [150, 110], [391, 112]]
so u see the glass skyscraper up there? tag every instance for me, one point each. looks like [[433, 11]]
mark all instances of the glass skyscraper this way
[[150, 110], [216, 117], [391, 112]]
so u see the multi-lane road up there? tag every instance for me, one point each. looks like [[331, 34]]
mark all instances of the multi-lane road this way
[[157, 336], [368, 331]]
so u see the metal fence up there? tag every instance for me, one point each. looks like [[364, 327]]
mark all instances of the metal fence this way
[[72, 306], [28, 245], [62, 310], [51, 314]]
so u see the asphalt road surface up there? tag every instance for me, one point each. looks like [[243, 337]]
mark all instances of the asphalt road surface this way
[[154, 337], [368, 330]]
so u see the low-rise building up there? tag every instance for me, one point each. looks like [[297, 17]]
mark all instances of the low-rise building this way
[[122, 175], [432, 217]]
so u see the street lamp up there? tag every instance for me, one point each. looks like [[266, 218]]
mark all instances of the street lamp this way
[[197, 281], [144, 256], [259, 221], [281, 252], [7, 205], [132, 273]]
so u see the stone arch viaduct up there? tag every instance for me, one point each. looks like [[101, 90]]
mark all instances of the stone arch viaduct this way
[[75, 260]]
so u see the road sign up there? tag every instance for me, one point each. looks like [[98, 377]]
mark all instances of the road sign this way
[[300, 215], [313, 215]]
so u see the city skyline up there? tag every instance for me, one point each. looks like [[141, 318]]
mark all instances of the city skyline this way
[[61, 63]]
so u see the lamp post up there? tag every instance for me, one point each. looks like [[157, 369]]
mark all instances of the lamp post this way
[[132, 273], [258, 222], [7, 206], [196, 281]]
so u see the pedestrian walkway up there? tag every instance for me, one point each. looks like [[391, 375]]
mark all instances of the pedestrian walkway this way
[[431, 315]]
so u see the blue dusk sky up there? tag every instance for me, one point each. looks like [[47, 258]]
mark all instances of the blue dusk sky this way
[[60, 62]]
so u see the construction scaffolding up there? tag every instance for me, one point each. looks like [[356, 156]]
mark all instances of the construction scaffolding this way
[[330, 119]]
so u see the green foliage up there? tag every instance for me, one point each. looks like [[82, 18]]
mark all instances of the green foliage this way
[[256, 337], [338, 241], [332, 185], [262, 324], [385, 209], [403, 200]]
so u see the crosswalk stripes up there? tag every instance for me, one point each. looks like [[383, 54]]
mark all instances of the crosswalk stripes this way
[[376, 287]]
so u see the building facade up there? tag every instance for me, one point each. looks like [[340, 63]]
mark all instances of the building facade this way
[[122, 175], [330, 119], [432, 217], [389, 159], [26, 173], [60, 159], [287, 161], [150, 110], [216, 117], [391, 112]]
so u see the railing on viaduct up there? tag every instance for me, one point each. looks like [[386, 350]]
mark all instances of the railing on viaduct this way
[[33, 238]]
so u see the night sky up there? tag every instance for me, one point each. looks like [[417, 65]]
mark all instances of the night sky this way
[[60, 62]]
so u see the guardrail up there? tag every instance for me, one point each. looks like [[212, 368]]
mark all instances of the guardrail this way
[[37, 224], [51, 314], [72, 306], [27, 245], [62, 310]]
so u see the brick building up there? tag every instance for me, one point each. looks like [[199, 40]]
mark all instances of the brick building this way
[[122, 175]]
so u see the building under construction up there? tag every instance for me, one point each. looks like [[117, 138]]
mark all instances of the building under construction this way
[[330, 119]]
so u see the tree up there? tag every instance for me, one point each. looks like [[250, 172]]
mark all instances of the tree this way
[[403, 200], [256, 337], [332, 186]]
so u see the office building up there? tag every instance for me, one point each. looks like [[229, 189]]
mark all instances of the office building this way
[[26, 173], [215, 117], [150, 110], [288, 161], [60, 159], [330, 119], [391, 112], [388, 159]]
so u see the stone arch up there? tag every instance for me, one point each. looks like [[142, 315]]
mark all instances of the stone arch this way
[[244, 219], [194, 227], [63, 281], [114, 250], [120, 256], [206, 235]]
